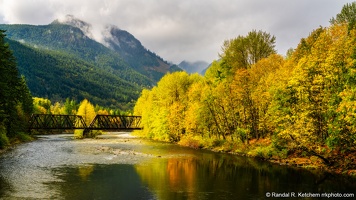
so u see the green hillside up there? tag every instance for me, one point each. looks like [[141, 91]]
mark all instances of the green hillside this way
[[56, 76], [60, 61]]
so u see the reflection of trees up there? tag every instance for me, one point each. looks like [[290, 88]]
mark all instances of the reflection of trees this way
[[100, 182], [216, 176], [181, 174], [85, 171], [5, 187], [210, 176]]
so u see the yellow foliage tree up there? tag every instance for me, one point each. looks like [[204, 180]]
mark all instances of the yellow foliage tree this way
[[304, 101], [86, 110]]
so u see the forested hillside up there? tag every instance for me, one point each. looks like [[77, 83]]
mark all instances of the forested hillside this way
[[137, 56], [61, 61], [255, 102], [58, 76]]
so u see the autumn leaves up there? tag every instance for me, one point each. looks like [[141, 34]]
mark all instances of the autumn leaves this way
[[306, 100]]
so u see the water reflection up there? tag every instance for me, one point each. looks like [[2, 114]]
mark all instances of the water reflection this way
[[100, 182], [5, 186], [213, 176], [192, 176], [84, 171], [57, 168]]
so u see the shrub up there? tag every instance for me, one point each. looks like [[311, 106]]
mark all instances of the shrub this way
[[263, 152], [4, 141], [78, 134], [24, 137]]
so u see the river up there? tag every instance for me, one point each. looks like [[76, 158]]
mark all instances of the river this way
[[119, 166]]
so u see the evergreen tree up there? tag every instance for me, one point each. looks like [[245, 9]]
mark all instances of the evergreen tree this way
[[15, 99]]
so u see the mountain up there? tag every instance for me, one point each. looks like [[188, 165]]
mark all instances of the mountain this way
[[193, 67], [62, 60], [131, 49], [56, 75], [128, 47], [204, 70]]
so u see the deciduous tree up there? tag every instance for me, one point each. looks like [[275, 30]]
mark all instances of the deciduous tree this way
[[244, 51], [86, 110]]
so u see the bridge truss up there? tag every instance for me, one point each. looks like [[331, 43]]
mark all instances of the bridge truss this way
[[100, 122], [114, 122], [49, 121]]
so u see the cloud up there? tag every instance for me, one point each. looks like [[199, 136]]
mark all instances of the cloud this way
[[184, 29]]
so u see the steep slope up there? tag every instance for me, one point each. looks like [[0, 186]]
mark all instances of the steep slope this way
[[57, 76], [136, 55], [71, 40]]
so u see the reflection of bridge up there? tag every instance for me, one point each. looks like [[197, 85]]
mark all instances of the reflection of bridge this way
[[100, 122]]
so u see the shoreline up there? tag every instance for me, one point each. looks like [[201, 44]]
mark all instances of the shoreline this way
[[20, 139], [339, 163], [310, 163]]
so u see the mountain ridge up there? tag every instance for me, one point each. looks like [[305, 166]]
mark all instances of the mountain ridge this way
[[126, 64], [193, 67]]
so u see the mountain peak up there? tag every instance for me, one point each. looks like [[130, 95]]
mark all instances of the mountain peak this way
[[71, 20], [193, 67], [117, 39]]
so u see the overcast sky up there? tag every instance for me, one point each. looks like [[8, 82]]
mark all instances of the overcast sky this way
[[184, 29]]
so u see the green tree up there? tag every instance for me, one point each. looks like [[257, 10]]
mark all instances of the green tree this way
[[244, 51], [15, 98], [70, 107], [347, 15]]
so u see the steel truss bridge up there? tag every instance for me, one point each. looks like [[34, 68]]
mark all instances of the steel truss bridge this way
[[100, 122]]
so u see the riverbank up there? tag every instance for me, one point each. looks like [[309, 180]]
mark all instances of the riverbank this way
[[331, 161], [19, 139]]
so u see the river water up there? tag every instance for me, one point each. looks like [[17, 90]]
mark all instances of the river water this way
[[118, 166]]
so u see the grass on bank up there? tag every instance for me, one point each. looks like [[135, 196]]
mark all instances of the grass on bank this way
[[19, 138], [262, 148]]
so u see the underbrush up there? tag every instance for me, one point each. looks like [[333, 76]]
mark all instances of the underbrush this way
[[18, 138], [262, 148], [268, 152], [23, 137], [4, 141]]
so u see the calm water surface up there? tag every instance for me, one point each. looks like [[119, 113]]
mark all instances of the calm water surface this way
[[118, 166]]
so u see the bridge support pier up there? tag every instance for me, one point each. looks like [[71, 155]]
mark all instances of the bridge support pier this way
[[86, 132]]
